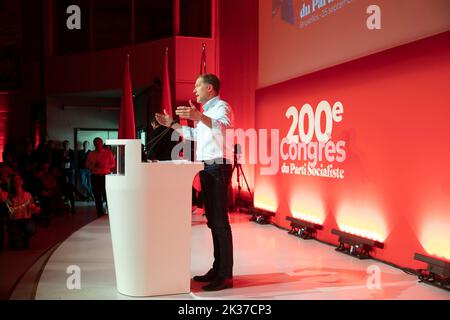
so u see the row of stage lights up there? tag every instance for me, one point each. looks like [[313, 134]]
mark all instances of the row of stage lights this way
[[353, 243]]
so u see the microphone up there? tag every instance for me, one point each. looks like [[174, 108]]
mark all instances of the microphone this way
[[159, 137], [163, 133]]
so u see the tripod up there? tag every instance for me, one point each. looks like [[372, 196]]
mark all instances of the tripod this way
[[239, 172]]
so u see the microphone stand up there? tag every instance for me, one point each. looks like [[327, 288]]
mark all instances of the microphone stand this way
[[158, 138]]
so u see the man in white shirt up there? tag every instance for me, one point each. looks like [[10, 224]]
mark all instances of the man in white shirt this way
[[217, 155]]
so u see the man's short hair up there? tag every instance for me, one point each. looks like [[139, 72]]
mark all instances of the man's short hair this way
[[211, 79], [98, 139]]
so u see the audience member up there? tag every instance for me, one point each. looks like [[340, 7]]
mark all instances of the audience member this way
[[67, 181], [100, 162], [85, 174], [20, 209]]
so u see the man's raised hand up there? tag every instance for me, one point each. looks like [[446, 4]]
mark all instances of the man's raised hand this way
[[190, 113], [164, 119]]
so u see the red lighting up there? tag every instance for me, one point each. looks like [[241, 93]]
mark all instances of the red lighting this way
[[307, 206], [5, 106], [362, 219], [435, 237], [307, 217], [362, 233], [265, 198]]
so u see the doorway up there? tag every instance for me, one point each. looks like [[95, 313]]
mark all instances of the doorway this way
[[88, 134]]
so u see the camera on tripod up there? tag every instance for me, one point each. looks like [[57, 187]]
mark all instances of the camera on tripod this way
[[237, 154], [239, 203], [237, 149]]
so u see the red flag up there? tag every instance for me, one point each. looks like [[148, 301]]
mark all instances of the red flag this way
[[166, 101], [37, 134], [202, 69], [196, 183], [127, 129], [203, 60]]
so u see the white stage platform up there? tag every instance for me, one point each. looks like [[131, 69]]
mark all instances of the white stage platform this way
[[269, 264]]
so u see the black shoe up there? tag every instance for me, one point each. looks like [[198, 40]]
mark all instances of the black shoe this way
[[220, 283], [208, 277]]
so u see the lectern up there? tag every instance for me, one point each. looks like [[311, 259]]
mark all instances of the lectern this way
[[149, 208]]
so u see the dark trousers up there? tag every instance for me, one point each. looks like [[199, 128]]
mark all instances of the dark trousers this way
[[2, 233], [215, 180], [197, 198], [3, 214], [68, 191], [85, 179], [99, 191], [20, 231], [48, 205], [69, 176]]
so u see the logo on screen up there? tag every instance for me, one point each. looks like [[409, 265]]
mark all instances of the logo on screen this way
[[284, 9], [308, 148]]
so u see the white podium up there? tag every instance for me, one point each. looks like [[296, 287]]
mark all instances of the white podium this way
[[150, 217]]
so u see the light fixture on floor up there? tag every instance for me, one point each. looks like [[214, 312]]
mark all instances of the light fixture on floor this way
[[303, 229], [261, 216], [437, 273], [356, 246]]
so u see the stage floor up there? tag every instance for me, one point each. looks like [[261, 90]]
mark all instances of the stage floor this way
[[269, 264]]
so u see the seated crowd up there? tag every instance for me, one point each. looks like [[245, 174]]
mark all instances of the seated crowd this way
[[35, 184]]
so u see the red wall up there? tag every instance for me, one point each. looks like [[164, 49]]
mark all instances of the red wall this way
[[103, 70], [397, 144], [237, 43], [232, 54], [5, 115], [15, 119]]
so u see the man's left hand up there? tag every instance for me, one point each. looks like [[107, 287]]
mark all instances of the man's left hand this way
[[190, 113]]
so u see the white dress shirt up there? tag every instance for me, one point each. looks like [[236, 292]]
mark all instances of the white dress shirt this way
[[211, 142]]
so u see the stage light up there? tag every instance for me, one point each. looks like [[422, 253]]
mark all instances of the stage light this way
[[356, 245], [264, 207], [261, 216], [361, 233], [433, 235], [303, 229], [437, 273], [366, 220], [265, 197]]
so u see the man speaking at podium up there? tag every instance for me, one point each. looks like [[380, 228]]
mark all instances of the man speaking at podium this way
[[214, 152]]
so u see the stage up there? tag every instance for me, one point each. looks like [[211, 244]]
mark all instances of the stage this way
[[268, 264]]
